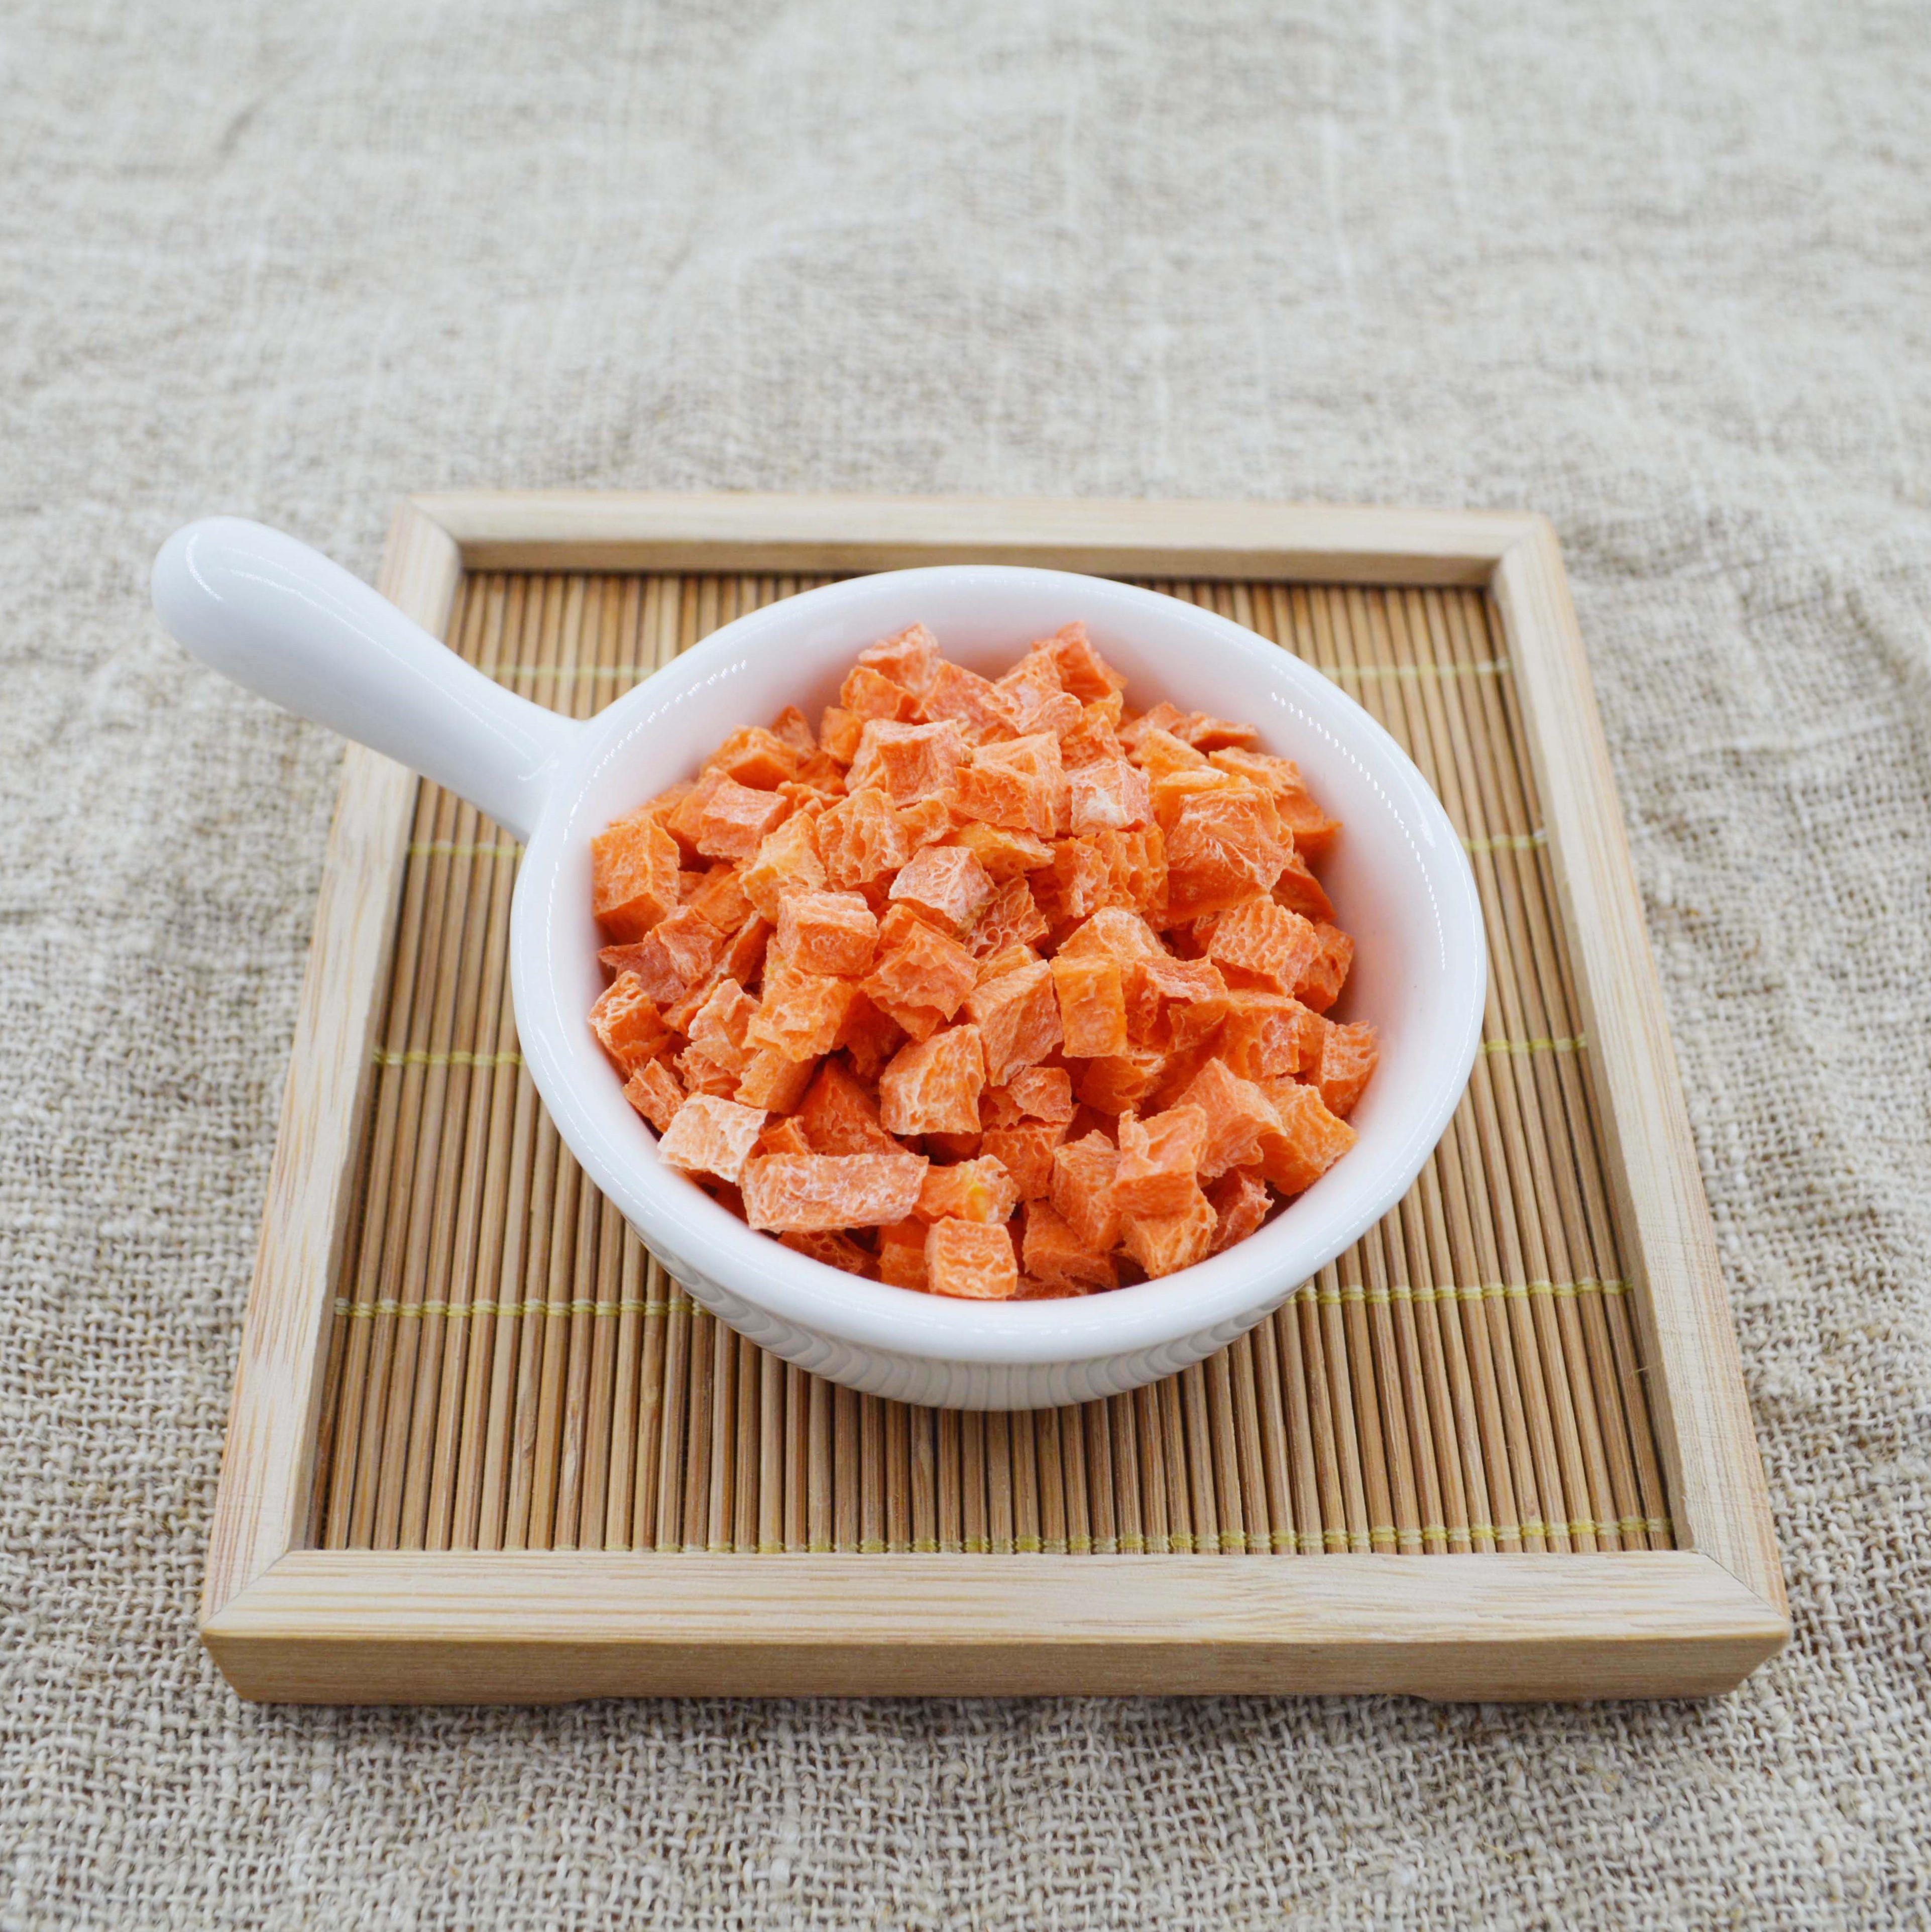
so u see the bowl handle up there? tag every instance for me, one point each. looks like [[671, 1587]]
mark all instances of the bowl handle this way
[[281, 619]]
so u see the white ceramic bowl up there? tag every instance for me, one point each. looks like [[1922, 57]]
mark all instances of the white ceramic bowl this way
[[264, 609]]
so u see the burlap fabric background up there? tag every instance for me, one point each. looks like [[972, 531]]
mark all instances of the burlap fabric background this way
[[1663, 271]]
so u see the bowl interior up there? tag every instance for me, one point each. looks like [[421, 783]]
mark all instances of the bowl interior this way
[[1398, 878]]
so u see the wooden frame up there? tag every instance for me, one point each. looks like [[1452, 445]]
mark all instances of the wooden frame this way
[[285, 1622]]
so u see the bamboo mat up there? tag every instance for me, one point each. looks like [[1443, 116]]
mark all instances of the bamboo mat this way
[[510, 1369]]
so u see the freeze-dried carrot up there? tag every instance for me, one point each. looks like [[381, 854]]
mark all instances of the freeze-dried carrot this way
[[1032, 982]]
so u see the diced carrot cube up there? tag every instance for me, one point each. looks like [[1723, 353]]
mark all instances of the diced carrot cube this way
[[755, 757], [1299, 891], [870, 1037], [1117, 934], [827, 932], [791, 727], [733, 819], [861, 840], [932, 1085], [1057, 712], [1119, 1080], [1224, 846], [1212, 734], [972, 1260], [784, 1135], [1165, 1243], [1052, 1252], [1008, 959], [922, 977], [834, 1249], [1083, 671], [811, 1193], [913, 1020], [1080, 883], [1107, 795], [1030, 695], [868, 693], [839, 1115], [1093, 740], [625, 1019], [1172, 790], [970, 700], [684, 820], [1161, 717], [654, 1091], [820, 777], [1267, 1036], [1241, 1201], [719, 899], [1310, 1142], [840, 732], [907, 762], [1041, 1093], [1093, 1005], [774, 1080], [898, 924], [901, 1255], [786, 861], [1004, 853], [1018, 1019], [946, 880], [980, 1189], [634, 877], [1020, 784], [1265, 941], [743, 957], [712, 1136], [674, 955], [1312, 830], [682, 1010], [1106, 871], [1158, 752], [1012, 918], [1320, 982], [1258, 768], [1159, 1161], [1347, 1058], [1082, 1191], [1025, 1149], [702, 1071], [722, 1024], [1137, 862], [1172, 1003], [923, 823], [910, 659], [1238, 1112], [801, 1013], [663, 807]]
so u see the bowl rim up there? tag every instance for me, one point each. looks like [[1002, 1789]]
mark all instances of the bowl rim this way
[[694, 1234]]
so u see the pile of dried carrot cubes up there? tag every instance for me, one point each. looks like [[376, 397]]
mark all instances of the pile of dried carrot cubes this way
[[990, 987]]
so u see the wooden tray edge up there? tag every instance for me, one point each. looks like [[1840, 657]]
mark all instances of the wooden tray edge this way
[[591, 530], [268, 1457], [331, 1626], [1719, 1499]]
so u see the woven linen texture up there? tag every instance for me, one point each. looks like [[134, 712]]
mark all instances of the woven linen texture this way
[[1663, 272]]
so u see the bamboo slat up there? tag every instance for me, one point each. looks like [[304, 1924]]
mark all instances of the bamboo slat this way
[[510, 1369]]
